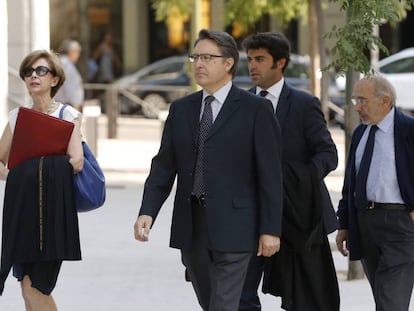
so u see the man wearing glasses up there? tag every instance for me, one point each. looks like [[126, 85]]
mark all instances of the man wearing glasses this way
[[375, 213], [223, 144]]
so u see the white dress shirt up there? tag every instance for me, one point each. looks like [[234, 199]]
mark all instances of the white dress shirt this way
[[219, 99]]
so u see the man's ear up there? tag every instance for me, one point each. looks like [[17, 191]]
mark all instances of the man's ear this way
[[228, 63], [281, 63], [386, 100]]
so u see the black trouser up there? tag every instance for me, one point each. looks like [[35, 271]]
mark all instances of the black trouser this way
[[387, 240], [217, 277]]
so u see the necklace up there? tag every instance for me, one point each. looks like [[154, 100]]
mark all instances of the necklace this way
[[50, 107]]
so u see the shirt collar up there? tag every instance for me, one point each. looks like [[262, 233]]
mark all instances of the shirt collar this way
[[386, 124], [221, 94], [275, 89]]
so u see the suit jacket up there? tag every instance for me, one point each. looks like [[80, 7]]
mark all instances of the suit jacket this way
[[306, 139], [404, 161], [242, 176], [303, 272]]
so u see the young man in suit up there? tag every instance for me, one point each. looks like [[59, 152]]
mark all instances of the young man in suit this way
[[375, 213], [220, 143], [303, 271]]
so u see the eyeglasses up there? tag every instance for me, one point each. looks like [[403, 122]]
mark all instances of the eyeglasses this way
[[205, 58], [359, 100], [41, 71]]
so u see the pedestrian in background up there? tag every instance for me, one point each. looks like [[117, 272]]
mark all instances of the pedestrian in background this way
[[71, 92], [375, 213], [223, 145], [40, 221], [109, 63], [303, 272]]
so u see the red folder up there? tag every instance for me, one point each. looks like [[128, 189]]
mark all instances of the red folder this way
[[37, 134]]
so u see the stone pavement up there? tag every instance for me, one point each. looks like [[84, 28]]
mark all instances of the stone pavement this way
[[119, 273]]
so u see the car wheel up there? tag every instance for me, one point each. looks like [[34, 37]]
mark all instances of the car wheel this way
[[154, 103]]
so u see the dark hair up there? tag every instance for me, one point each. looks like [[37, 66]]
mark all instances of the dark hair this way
[[276, 44], [225, 42], [54, 64]]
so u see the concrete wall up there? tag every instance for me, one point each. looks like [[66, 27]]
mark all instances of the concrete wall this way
[[3, 65], [135, 34], [28, 29], [333, 16]]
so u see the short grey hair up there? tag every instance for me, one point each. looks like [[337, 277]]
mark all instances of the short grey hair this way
[[383, 87], [69, 45]]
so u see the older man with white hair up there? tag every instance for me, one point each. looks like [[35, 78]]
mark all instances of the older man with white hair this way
[[71, 92]]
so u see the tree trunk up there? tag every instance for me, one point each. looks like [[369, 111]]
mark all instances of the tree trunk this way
[[319, 79], [195, 28], [355, 270], [315, 62]]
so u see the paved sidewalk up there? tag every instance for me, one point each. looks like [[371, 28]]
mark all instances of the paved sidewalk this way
[[118, 273]]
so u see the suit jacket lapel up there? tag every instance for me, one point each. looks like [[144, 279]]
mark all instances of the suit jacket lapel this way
[[229, 106], [283, 105]]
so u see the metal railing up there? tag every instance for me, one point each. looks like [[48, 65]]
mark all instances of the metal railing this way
[[111, 93]]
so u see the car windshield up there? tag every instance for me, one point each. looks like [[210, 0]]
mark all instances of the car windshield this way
[[168, 68], [404, 65]]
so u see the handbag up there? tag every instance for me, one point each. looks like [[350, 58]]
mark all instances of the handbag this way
[[89, 184]]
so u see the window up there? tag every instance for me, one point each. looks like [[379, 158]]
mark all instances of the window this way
[[404, 65]]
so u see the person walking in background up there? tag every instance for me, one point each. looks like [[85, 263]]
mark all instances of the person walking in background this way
[[375, 213], [223, 145], [303, 272], [107, 59], [42, 203], [71, 92]]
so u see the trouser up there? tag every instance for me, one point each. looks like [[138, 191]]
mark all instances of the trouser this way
[[387, 241], [217, 277]]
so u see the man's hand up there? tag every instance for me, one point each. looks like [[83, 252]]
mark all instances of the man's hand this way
[[342, 241], [412, 215], [142, 227], [268, 245]]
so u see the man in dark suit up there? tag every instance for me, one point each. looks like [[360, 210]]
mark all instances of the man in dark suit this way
[[223, 144], [302, 273], [376, 210]]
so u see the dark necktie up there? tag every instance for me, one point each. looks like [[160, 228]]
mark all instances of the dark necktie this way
[[205, 125], [263, 93], [361, 200]]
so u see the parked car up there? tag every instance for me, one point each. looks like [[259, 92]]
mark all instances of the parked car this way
[[165, 80], [399, 70]]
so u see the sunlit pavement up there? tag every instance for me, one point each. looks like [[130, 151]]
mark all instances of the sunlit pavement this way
[[121, 274]]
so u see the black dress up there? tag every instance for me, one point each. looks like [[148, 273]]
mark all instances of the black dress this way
[[40, 223]]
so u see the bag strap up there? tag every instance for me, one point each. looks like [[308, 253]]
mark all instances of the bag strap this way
[[61, 111]]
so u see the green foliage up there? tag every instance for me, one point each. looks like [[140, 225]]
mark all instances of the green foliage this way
[[248, 12], [356, 37], [163, 8], [245, 12]]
